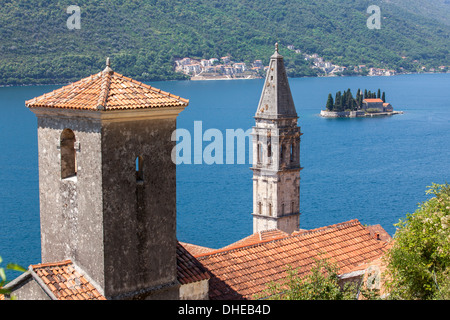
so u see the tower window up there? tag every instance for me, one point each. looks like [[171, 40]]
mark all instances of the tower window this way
[[292, 153], [260, 153], [139, 169], [68, 154], [259, 208], [270, 209], [281, 153]]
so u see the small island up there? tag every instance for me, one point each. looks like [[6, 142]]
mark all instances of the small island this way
[[365, 104]]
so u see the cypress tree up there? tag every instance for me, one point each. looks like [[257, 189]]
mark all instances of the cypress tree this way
[[365, 93], [330, 103], [338, 101], [378, 94], [349, 102], [383, 97]]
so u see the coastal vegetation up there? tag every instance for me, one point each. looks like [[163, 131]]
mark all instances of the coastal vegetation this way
[[144, 39], [418, 264]]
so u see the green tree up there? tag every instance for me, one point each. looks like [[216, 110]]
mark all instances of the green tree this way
[[418, 263], [322, 283], [330, 102], [3, 281], [378, 94], [383, 97], [338, 102]]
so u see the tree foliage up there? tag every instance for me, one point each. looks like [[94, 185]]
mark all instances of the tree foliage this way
[[321, 283], [346, 101], [418, 264], [3, 280]]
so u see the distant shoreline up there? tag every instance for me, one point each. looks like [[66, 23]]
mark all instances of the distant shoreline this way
[[199, 78], [218, 78]]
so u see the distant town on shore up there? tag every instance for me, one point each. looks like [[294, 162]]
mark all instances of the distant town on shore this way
[[225, 68]]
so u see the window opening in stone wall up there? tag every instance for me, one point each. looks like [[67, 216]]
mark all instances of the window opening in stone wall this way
[[292, 153], [270, 209], [68, 154], [281, 153], [139, 169], [260, 153]]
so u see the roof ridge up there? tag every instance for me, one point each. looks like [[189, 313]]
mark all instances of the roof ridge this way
[[104, 90], [332, 226], [317, 230], [51, 264]]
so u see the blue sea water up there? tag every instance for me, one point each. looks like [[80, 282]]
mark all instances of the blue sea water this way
[[372, 169]]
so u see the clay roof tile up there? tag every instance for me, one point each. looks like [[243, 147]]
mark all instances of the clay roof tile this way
[[107, 91]]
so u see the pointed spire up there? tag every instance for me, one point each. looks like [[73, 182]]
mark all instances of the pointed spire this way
[[276, 99]]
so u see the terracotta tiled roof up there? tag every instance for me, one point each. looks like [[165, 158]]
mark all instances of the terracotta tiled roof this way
[[65, 282], [257, 237], [188, 268], [243, 272], [377, 232], [373, 100], [107, 91], [196, 249]]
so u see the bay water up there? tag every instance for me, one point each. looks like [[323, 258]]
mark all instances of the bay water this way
[[375, 169]]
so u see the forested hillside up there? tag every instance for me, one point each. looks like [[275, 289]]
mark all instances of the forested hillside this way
[[143, 37]]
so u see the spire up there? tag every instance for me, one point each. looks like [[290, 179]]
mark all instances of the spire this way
[[276, 99]]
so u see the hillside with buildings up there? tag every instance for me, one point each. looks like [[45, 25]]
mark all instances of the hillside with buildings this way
[[226, 68], [41, 44]]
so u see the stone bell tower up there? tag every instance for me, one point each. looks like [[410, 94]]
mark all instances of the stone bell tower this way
[[276, 154], [107, 183]]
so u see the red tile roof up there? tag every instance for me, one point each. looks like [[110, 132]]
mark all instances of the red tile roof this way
[[65, 282], [196, 249], [188, 268], [107, 90], [373, 100], [244, 271], [257, 237]]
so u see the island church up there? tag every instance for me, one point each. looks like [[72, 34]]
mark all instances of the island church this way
[[107, 189]]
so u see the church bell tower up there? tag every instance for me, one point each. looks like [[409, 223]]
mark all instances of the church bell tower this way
[[108, 185], [276, 154]]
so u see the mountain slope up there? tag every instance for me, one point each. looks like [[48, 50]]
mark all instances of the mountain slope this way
[[143, 37]]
